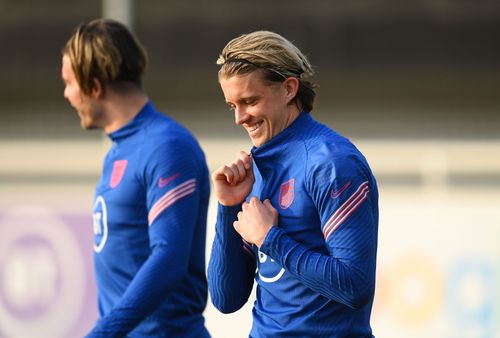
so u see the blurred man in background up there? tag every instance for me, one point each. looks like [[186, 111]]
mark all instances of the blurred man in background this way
[[151, 202], [300, 214]]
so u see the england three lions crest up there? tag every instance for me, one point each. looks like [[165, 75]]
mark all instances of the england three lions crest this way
[[287, 193], [118, 172]]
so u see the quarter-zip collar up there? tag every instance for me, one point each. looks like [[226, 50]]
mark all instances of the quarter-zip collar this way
[[134, 125]]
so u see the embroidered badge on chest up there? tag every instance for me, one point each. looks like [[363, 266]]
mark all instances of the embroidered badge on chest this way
[[287, 193], [118, 172]]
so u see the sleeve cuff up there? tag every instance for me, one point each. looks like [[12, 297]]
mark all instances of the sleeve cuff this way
[[270, 241], [229, 210], [225, 218]]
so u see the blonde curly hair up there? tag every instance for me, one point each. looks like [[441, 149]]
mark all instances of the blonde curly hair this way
[[272, 54]]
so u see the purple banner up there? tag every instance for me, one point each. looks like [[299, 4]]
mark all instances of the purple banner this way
[[47, 285]]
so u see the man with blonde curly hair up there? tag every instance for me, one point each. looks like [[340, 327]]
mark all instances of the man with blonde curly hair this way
[[299, 214]]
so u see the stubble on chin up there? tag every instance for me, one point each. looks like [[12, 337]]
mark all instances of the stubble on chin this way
[[85, 124]]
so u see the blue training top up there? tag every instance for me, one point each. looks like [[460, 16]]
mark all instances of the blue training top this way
[[150, 226], [316, 268]]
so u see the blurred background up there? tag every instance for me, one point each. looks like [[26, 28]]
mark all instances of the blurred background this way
[[415, 85]]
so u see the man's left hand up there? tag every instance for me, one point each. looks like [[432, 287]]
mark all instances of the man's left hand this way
[[255, 220]]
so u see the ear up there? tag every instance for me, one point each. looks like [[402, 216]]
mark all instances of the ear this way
[[98, 90], [291, 86]]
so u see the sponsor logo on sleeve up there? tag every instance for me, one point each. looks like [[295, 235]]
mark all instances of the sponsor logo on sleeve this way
[[346, 209], [335, 193], [169, 198], [163, 182]]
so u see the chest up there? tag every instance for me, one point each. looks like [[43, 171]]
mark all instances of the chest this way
[[287, 190], [121, 187], [298, 216]]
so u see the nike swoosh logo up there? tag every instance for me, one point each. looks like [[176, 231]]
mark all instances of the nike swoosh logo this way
[[162, 182], [337, 193]]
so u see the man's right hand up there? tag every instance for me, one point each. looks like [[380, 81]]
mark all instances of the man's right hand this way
[[233, 181]]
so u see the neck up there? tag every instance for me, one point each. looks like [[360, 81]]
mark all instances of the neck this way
[[294, 112], [122, 106]]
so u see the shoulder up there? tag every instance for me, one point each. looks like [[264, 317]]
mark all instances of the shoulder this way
[[330, 154], [165, 141], [163, 132]]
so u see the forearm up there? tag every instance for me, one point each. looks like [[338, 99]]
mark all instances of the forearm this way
[[145, 293], [348, 282], [231, 268]]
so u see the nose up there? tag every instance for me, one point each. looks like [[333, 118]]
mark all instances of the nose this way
[[240, 116]]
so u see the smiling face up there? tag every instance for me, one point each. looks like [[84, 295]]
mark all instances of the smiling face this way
[[263, 108], [85, 105]]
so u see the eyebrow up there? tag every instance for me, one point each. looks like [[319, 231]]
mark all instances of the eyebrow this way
[[248, 98], [243, 99]]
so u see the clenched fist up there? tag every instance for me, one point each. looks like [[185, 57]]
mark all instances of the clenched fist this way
[[233, 181], [255, 220]]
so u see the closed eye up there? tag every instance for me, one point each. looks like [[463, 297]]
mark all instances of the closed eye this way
[[250, 102]]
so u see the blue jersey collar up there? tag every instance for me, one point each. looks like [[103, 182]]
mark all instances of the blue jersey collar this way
[[291, 132], [134, 125]]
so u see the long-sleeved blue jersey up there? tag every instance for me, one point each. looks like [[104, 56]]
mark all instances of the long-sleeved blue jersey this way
[[150, 226], [316, 268]]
